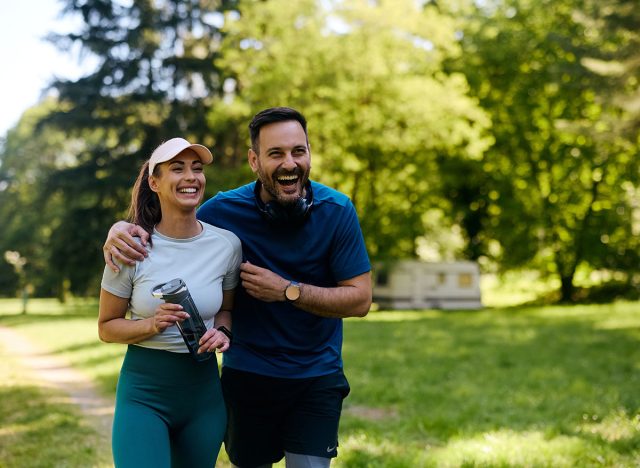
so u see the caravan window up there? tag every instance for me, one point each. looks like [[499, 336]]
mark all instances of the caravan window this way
[[382, 277], [465, 280]]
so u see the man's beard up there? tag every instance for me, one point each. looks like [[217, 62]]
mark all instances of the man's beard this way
[[271, 186]]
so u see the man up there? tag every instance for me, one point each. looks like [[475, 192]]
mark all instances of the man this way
[[306, 268]]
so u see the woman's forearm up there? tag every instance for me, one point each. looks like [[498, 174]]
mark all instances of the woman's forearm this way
[[122, 330]]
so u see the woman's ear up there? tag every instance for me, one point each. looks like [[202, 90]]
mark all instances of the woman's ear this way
[[153, 183]]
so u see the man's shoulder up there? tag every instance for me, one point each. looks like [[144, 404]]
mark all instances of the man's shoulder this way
[[243, 192], [237, 195], [325, 194]]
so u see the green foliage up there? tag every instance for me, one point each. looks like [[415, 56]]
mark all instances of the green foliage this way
[[28, 212], [369, 78], [67, 178], [615, 25], [555, 172], [504, 131]]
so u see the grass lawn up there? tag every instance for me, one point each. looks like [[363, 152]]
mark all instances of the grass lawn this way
[[38, 428], [540, 387]]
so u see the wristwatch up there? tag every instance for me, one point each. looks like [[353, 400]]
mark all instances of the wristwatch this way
[[225, 331], [292, 291]]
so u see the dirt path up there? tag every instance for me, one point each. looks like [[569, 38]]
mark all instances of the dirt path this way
[[55, 372]]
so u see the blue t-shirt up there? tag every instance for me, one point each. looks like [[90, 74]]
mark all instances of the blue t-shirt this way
[[277, 338]]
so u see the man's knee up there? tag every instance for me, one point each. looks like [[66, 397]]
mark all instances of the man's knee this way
[[269, 465], [296, 460]]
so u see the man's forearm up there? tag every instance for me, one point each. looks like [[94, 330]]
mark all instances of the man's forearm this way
[[352, 298]]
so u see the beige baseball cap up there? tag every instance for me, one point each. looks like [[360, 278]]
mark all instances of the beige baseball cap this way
[[172, 148]]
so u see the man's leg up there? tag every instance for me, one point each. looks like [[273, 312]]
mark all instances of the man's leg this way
[[295, 460], [311, 427], [255, 408], [261, 466]]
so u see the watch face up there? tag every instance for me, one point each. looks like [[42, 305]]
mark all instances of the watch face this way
[[292, 292]]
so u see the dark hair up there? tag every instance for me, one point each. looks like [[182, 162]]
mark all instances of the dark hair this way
[[272, 115], [144, 209]]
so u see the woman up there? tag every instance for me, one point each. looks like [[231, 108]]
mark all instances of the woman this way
[[169, 407]]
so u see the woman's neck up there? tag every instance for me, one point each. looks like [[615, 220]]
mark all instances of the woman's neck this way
[[179, 225]]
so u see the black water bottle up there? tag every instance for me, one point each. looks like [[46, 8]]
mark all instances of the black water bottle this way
[[192, 328]]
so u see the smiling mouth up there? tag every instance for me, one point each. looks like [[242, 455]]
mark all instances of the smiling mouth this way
[[287, 180], [187, 190]]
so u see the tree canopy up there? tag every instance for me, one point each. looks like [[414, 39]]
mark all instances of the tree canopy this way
[[503, 131]]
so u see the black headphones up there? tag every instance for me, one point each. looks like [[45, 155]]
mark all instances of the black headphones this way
[[279, 214]]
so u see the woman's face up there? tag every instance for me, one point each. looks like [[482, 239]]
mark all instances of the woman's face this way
[[180, 182]]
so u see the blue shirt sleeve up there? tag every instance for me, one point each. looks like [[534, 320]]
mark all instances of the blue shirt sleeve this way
[[349, 255]]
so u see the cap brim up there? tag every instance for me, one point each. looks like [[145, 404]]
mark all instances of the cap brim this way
[[172, 148], [203, 153]]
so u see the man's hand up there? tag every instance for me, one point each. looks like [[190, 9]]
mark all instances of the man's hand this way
[[349, 298], [262, 284], [120, 245]]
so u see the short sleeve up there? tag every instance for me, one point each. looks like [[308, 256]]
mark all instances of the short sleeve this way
[[232, 276], [119, 284], [349, 255]]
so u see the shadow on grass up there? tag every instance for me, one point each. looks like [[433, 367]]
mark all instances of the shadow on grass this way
[[527, 386], [455, 376], [37, 430]]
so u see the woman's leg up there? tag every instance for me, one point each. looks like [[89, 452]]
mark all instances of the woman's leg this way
[[198, 415], [140, 435], [198, 443]]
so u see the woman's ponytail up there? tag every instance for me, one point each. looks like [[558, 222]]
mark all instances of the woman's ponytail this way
[[145, 205]]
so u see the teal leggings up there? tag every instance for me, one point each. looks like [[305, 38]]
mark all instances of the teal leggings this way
[[169, 411]]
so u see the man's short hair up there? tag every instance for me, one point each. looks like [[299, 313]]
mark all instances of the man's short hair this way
[[272, 115]]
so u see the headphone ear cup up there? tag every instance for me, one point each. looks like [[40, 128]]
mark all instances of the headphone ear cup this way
[[277, 214], [301, 209]]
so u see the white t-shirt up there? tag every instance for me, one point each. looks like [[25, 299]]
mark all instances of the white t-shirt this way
[[208, 263]]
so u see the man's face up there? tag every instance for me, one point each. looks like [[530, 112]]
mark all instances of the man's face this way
[[283, 162]]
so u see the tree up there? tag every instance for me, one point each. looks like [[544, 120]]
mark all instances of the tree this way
[[381, 110], [155, 79], [28, 212], [558, 161]]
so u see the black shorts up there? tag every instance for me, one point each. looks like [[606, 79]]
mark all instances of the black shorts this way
[[269, 415]]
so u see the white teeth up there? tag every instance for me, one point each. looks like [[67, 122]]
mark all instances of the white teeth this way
[[187, 190], [291, 177]]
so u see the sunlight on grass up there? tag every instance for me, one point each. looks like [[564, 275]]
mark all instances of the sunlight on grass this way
[[49, 306], [39, 428], [510, 448], [499, 387], [514, 288], [616, 427], [362, 450], [77, 342], [400, 315]]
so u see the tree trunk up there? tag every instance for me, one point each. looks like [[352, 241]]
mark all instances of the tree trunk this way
[[566, 288]]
